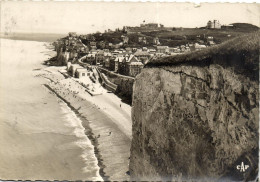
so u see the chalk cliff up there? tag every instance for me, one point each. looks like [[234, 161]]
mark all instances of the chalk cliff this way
[[195, 116]]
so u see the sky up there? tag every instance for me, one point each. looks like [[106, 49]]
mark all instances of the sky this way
[[89, 17]]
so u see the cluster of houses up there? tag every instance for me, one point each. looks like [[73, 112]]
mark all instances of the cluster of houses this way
[[120, 61], [126, 61], [130, 61]]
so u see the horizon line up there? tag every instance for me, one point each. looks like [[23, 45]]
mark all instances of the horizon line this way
[[64, 33]]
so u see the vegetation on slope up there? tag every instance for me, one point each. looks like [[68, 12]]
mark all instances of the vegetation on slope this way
[[245, 26], [244, 46], [175, 36]]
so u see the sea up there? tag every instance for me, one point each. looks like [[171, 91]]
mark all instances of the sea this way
[[40, 137]]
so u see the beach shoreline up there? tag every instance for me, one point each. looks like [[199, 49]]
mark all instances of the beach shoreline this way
[[88, 132], [40, 137], [110, 140], [84, 122], [61, 135]]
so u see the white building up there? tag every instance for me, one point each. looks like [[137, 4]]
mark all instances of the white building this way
[[81, 72], [213, 24], [73, 69]]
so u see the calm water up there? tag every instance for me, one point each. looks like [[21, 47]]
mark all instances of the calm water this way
[[40, 137]]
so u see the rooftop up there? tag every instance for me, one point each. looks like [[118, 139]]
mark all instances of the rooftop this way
[[81, 70], [141, 53], [119, 59], [136, 63]]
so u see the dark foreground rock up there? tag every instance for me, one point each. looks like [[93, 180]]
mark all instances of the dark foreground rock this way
[[198, 119]]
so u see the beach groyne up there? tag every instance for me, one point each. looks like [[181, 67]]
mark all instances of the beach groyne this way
[[195, 116]]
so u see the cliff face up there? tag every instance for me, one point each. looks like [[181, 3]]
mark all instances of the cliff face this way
[[125, 89], [196, 120]]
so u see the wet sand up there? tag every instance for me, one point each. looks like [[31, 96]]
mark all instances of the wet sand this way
[[107, 124], [40, 136], [53, 128]]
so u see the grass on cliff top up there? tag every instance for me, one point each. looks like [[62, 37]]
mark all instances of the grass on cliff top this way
[[246, 45]]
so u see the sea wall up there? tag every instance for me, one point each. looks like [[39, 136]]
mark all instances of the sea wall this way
[[197, 120], [124, 84], [107, 83]]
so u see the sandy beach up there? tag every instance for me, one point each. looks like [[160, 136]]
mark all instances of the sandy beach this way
[[51, 128], [107, 124]]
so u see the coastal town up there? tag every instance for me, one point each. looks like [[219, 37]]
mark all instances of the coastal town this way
[[103, 67], [114, 58], [130, 48]]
